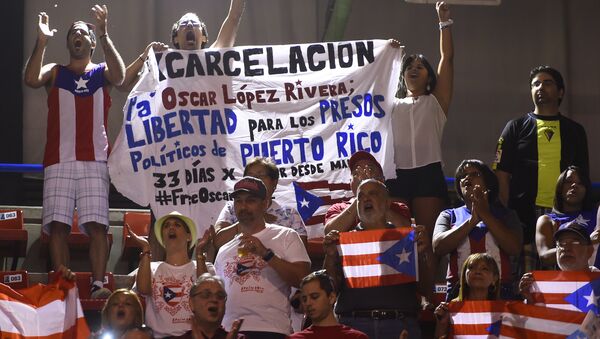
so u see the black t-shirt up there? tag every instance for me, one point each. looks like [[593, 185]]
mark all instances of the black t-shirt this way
[[517, 154]]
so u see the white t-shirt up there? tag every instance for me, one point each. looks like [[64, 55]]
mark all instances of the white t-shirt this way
[[286, 216], [255, 292], [418, 127], [168, 310]]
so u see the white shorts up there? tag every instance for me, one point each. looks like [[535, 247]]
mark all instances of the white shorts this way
[[84, 184]]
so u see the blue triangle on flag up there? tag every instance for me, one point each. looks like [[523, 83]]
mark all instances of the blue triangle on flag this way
[[306, 203], [494, 328], [401, 256], [587, 297], [577, 335], [168, 294]]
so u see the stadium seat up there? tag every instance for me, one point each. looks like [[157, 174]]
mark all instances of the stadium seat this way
[[84, 281], [15, 279], [13, 237], [78, 241], [140, 224]]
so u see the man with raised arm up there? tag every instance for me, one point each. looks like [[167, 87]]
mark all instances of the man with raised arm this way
[[189, 33], [75, 170]]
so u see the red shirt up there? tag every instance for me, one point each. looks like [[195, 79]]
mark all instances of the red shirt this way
[[339, 331], [337, 208]]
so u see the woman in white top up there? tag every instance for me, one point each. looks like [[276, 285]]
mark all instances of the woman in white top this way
[[418, 119], [165, 285]]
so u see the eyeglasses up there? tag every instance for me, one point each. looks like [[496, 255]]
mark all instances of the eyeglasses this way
[[192, 22], [208, 295], [474, 174], [259, 175], [564, 243]]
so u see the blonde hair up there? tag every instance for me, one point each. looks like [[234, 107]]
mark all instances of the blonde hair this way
[[139, 317], [493, 290]]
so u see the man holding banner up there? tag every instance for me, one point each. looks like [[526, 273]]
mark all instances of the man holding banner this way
[[75, 171], [189, 33], [577, 286], [378, 271]]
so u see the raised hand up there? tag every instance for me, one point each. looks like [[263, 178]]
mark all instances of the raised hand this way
[[139, 240], [235, 328], [44, 31], [443, 11], [66, 273], [206, 240], [252, 244], [100, 13], [525, 285], [480, 204], [330, 243], [422, 238], [394, 43], [156, 46]]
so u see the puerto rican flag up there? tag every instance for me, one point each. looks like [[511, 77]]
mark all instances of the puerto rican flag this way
[[379, 257], [575, 291], [172, 294], [313, 198], [42, 311], [500, 319]]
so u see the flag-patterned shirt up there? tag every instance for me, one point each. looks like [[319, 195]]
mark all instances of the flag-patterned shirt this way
[[480, 240], [77, 115]]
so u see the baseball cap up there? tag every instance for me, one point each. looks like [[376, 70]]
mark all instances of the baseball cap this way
[[187, 221], [574, 227], [250, 185], [362, 155]]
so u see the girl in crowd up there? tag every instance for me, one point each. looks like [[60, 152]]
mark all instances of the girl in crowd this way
[[483, 224], [479, 280], [123, 311], [572, 201], [418, 119], [166, 284]]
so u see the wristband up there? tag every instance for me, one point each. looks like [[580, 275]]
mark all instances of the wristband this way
[[146, 253], [448, 23], [269, 255]]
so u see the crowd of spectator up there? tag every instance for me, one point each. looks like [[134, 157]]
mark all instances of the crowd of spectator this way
[[530, 210]]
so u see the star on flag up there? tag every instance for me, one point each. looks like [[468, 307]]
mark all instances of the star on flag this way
[[379, 257], [306, 203], [81, 83]]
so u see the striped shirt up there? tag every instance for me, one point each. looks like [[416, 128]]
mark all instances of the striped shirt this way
[[77, 115]]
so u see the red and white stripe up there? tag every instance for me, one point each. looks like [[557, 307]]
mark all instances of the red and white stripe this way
[[331, 193], [551, 287], [471, 319], [359, 251], [77, 126], [42, 311]]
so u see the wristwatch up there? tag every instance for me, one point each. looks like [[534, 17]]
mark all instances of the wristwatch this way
[[268, 255]]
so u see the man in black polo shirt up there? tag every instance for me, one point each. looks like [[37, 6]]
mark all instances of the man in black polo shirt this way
[[383, 311], [533, 150]]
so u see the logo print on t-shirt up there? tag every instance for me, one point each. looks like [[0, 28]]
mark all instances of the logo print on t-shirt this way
[[548, 133], [170, 295], [244, 268]]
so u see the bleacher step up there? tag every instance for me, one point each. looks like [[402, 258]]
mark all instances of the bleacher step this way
[[121, 280]]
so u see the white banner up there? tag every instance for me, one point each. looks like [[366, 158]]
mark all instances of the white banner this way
[[196, 118]]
